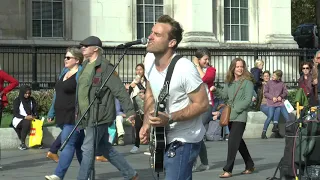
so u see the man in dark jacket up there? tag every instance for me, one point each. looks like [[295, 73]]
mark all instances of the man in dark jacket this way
[[95, 71]]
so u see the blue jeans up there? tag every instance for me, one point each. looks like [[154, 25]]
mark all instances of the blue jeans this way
[[274, 113], [107, 151], [180, 166], [73, 145], [265, 109]]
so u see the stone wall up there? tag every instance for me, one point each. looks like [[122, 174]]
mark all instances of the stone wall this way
[[12, 19]]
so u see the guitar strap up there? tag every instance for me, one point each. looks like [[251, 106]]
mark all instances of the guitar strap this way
[[170, 70]]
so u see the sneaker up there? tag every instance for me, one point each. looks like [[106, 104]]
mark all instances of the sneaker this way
[[121, 141], [23, 147], [147, 152], [134, 150], [226, 137], [136, 177], [194, 166], [52, 177], [275, 128], [202, 167]]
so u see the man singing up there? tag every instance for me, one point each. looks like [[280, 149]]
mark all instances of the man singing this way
[[187, 100], [95, 71]]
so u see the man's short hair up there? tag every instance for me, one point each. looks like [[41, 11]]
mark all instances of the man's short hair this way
[[176, 29]]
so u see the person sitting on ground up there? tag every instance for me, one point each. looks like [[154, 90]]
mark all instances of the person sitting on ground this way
[[119, 123], [24, 111]]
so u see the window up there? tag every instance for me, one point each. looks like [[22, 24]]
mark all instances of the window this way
[[236, 27], [148, 11], [47, 18]]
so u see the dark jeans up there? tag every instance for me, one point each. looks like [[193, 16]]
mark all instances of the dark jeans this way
[[55, 146], [138, 124], [207, 117], [236, 143], [23, 129]]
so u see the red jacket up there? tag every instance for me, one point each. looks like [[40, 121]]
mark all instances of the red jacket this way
[[12, 84], [209, 78]]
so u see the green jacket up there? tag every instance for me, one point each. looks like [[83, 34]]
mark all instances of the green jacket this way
[[113, 88], [241, 104], [301, 98]]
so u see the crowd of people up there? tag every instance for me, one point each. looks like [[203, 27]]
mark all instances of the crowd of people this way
[[191, 116]]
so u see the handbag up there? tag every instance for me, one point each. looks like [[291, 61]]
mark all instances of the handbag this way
[[225, 115], [112, 131]]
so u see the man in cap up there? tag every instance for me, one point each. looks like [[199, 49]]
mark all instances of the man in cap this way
[[94, 72]]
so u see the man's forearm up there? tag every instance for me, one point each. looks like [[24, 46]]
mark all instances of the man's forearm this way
[[148, 103], [189, 112]]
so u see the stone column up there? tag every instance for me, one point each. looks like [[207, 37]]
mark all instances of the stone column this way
[[197, 20], [275, 24]]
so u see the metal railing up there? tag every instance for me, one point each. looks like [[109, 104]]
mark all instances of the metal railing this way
[[39, 66]]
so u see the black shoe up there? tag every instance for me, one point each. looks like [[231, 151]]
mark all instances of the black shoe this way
[[275, 128], [23, 147], [278, 135], [263, 135]]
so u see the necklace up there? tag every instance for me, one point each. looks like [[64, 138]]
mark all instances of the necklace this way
[[70, 73]]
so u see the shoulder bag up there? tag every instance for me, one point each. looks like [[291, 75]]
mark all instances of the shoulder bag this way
[[225, 115]]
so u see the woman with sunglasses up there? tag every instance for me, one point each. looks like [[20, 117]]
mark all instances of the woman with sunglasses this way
[[63, 109], [307, 83]]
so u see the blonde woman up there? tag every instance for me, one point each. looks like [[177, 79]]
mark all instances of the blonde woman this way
[[63, 109], [238, 79], [257, 74], [275, 92]]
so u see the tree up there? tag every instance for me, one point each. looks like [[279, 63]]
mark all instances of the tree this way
[[303, 11], [318, 16]]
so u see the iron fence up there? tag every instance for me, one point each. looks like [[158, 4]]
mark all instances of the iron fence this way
[[39, 66]]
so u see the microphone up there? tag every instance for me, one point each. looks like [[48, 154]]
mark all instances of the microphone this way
[[143, 41]]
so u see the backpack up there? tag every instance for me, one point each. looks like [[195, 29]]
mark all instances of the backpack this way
[[213, 132]]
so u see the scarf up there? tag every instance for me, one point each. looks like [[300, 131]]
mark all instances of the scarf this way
[[306, 84], [26, 102]]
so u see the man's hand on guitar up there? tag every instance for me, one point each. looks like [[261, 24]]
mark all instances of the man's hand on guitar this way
[[144, 134], [160, 121]]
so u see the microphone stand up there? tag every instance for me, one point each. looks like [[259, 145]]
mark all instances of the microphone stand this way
[[300, 146], [300, 125], [97, 99]]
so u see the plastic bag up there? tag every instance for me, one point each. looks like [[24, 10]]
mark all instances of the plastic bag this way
[[112, 132], [36, 133]]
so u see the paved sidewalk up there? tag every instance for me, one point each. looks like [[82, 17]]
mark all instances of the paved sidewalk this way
[[32, 164]]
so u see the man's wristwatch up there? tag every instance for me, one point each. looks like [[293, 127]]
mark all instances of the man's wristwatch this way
[[170, 119]]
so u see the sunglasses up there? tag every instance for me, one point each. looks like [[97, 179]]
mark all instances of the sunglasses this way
[[68, 57], [305, 68]]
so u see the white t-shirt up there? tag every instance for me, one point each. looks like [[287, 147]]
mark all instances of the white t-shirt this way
[[185, 79], [15, 120]]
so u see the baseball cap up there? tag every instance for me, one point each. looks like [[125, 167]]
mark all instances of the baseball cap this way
[[91, 41]]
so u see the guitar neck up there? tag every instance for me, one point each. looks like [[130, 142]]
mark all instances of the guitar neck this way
[[156, 109]]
